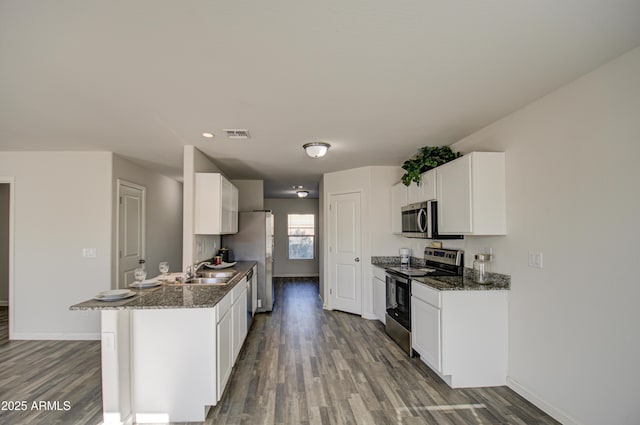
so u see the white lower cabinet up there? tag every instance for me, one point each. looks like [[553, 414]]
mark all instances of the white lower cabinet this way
[[232, 331], [426, 337], [239, 311], [461, 335], [379, 293], [224, 344]]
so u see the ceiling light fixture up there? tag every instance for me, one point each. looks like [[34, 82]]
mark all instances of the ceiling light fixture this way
[[316, 149], [302, 193], [208, 135]]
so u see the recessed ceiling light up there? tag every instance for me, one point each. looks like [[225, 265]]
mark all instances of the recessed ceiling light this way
[[302, 193], [208, 135]]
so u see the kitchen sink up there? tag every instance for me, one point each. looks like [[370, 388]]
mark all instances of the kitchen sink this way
[[217, 273], [208, 281]]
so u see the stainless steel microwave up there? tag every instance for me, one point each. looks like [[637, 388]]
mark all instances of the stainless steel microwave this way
[[420, 220]]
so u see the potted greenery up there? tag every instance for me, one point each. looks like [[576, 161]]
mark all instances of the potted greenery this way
[[428, 157]]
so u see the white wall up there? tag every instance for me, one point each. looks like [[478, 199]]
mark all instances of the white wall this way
[[572, 194], [283, 266], [250, 194], [62, 205], [4, 244], [164, 215], [195, 162]]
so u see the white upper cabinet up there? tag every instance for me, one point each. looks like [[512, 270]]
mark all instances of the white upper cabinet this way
[[216, 206], [398, 200], [423, 191], [471, 195], [428, 185]]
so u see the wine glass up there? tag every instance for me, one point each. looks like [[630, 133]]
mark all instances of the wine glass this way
[[164, 269], [140, 274]]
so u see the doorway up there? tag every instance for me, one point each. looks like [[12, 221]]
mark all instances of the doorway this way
[[6, 255], [131, 224], [345, 268]]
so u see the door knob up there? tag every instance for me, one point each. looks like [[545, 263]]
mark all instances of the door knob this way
[[357, 260]]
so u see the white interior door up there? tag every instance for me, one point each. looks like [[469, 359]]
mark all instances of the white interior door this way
[[345, 268], [131, 230]]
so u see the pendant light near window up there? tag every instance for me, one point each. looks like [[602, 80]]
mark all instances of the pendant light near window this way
[[316, 149], [302, 193]]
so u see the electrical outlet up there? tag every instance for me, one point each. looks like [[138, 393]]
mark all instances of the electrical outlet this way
[[259, 303], [535, 260]]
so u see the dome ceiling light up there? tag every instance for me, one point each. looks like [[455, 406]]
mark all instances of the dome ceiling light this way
[[316, 149], [302, 193]]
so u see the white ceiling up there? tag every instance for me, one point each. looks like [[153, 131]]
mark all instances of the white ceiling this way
[[377, 78]]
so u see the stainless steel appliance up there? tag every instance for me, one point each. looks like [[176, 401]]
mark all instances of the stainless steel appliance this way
[[438, 262], [254, 242], [420, 220]]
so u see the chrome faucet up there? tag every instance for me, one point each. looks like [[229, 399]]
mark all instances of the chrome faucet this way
[[198, 266]]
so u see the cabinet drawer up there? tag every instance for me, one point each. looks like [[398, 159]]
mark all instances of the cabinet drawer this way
[[223, 306], [238, 289], [425, 293]]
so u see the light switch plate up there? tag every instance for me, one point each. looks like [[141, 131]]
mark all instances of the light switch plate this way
[[535, 260], [89, 252]]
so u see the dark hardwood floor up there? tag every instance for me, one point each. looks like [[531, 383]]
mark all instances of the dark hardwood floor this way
[[299, 365]]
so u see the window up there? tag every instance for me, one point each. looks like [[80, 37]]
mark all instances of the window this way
[[301, 236]]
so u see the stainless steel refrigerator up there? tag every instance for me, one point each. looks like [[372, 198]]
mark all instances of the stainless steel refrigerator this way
[[254, 242]]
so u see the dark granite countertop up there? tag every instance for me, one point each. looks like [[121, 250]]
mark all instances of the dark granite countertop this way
[[172, 295], [501, 282]]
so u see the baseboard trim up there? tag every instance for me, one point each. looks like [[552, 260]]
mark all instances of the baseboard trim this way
[[4, 303], [553, 411], [55, 336], [297, 275], [369, 316]]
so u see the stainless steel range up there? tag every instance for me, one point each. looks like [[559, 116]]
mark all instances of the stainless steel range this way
[[438, 262]]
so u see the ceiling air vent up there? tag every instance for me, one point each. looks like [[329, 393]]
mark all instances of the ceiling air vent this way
[[235, 133]]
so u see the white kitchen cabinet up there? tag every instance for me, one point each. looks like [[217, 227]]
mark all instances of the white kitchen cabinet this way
[[425, 338], [378, 281], [461, 335], [224, 343], [398, 200], [428, 185], [216, 205], [471, 195], [239, 311], [423, 191]]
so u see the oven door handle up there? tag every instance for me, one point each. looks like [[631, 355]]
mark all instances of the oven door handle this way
[[422, 220]]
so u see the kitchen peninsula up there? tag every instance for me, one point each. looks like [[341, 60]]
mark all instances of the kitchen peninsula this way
[[168, 352]]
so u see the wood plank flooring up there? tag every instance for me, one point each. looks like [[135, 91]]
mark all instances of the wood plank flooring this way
[[299, 365], [49, 371], [303, 365]]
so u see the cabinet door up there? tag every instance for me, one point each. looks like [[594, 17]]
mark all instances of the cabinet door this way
[[379, 298], [234, 210], [425, 334], [224, 351], [398, 200], [428, 185], [208, 200], [239, 322], [414, 193], [454, 196], [227, 199]]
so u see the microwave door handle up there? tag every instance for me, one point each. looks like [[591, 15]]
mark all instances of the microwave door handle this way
[[422, 215]]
